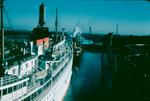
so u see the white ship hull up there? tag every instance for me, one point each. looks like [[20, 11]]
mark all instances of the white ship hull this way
[[59, 89], [52, 90]]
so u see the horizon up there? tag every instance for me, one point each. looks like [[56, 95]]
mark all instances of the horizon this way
[[133, 17]]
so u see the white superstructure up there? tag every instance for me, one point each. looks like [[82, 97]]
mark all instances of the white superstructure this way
[[47, 80]]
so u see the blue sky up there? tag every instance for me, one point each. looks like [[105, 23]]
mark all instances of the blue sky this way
[[132, 16]]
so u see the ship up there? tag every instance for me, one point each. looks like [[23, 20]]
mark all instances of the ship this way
[[77, 47], [38, 68]]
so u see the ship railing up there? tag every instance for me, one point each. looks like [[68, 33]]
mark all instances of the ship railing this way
[[9, 79], [38, 93], [33, 86], [64, 58], [62, 52], [46, 88], [60, 66]]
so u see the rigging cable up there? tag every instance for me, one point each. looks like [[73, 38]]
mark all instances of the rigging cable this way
[[9, 22]]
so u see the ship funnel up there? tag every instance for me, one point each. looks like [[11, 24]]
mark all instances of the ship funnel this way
[[90, 30], [41, 15], [117, 29]]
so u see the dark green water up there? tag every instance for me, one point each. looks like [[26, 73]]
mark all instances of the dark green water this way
[[85, 83]]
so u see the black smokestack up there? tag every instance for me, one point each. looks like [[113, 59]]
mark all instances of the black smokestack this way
[[41, 15]]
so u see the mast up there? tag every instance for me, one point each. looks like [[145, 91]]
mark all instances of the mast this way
[[2, 32], [1, 40], [56, 27], [56, 22]]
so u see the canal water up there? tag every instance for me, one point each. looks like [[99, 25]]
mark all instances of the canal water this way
[[85, 83]]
